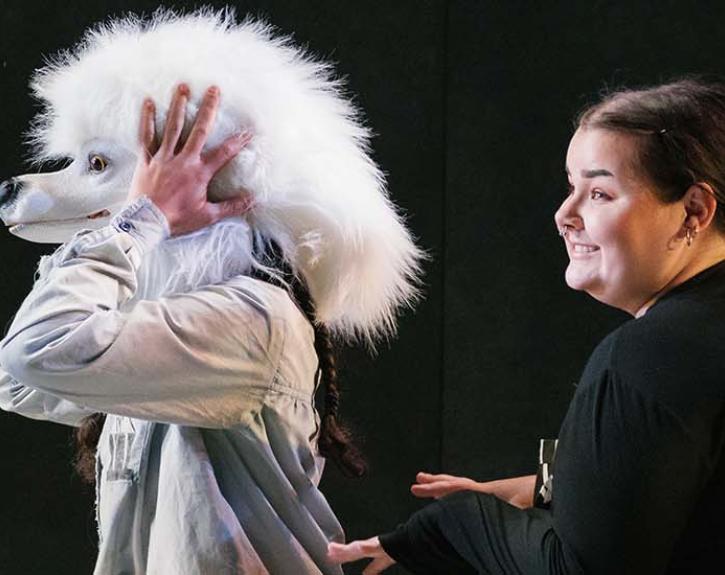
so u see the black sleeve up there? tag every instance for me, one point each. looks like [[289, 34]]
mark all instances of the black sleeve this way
[[420, 546], [630, 468], [469, 532], [629, 472]]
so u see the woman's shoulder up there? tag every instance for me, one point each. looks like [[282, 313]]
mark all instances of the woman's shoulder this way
[[674, 352], [297, 356], [268, 299], [268, 296], [263, 308], [675, 330]]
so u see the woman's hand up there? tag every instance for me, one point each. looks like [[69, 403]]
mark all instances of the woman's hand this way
[[370, 548], [176, 180], [517, 491]]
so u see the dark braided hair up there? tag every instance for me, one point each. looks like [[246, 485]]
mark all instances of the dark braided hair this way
[[334, 441], [86, 439]]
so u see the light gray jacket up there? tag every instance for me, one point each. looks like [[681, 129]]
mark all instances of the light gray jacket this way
[[207, 462]]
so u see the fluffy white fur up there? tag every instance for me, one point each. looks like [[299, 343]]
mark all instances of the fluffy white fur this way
[[317, 192]]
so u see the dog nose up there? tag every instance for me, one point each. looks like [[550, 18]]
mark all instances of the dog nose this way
[[9, 190]]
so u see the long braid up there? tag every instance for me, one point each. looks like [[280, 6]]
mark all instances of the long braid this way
[[335, 440], [87, 436]]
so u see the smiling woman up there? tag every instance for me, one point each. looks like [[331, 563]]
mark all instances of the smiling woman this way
[[623, 218], [639, 478], [621, 237]]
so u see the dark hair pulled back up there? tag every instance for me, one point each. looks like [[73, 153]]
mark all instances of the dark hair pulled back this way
[[679, 128], [334, 441]]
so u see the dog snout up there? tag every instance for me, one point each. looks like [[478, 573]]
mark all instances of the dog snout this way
[[9, 190]]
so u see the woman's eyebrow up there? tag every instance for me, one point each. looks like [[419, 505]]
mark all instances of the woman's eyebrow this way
[[596, 173], [592, 173]]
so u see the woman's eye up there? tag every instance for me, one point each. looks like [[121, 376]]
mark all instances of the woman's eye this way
[[97, 163], [597, 195]]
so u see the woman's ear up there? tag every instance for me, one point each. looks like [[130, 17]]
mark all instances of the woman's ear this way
[[700, 205]]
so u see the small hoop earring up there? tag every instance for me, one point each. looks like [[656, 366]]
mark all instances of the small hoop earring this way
[[563, 230]]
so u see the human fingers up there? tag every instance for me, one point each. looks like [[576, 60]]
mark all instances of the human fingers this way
[[344, 553], [436, 490], [423, 477], [378, 565], [184, 222], [174, 121], [354, 551], [203, 122], [228, 208], [147, 130], [217, 158]]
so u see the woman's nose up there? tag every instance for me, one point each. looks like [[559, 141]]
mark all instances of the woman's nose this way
[[568, 213]]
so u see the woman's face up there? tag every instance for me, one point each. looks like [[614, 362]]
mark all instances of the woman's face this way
[[621, 240]]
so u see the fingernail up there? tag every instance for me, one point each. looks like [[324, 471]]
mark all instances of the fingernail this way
[[148, 104], [184, 89], [245, 135], [213, 91]]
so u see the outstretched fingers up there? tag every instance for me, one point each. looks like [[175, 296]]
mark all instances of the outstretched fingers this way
[[147, 129], [203, 123], [430, 490], [438, 485], [423, 477], [229, 208], [356, 550], [345, 553], [174, 121], [217, 158]]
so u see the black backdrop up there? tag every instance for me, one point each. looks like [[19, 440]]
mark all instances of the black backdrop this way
[[472, 105]]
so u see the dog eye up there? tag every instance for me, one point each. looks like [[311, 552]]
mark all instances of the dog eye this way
[[97, 163]]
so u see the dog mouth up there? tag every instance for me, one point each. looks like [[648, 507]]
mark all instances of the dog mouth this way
[[99, 214], [104, 213]]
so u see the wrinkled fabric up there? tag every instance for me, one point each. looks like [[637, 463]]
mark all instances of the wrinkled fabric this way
[[207, 461]]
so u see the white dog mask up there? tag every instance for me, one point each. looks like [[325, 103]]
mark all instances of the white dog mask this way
[[316, 191]]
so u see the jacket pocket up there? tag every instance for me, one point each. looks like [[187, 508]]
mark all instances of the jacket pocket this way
[[123, 448]]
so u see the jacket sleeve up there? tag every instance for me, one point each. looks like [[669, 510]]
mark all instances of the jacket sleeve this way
[[203, 358], [23, 400]]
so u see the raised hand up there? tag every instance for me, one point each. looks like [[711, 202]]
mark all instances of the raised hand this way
[[175, 177]]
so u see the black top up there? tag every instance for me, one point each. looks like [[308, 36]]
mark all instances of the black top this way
[[639, 484]]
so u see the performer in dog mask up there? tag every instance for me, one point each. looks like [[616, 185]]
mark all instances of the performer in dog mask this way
[[190, 337]]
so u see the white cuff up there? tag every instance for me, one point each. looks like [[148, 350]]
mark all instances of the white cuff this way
[[144, 222]]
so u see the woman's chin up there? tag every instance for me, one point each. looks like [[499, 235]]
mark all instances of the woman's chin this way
[[578, 279]]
